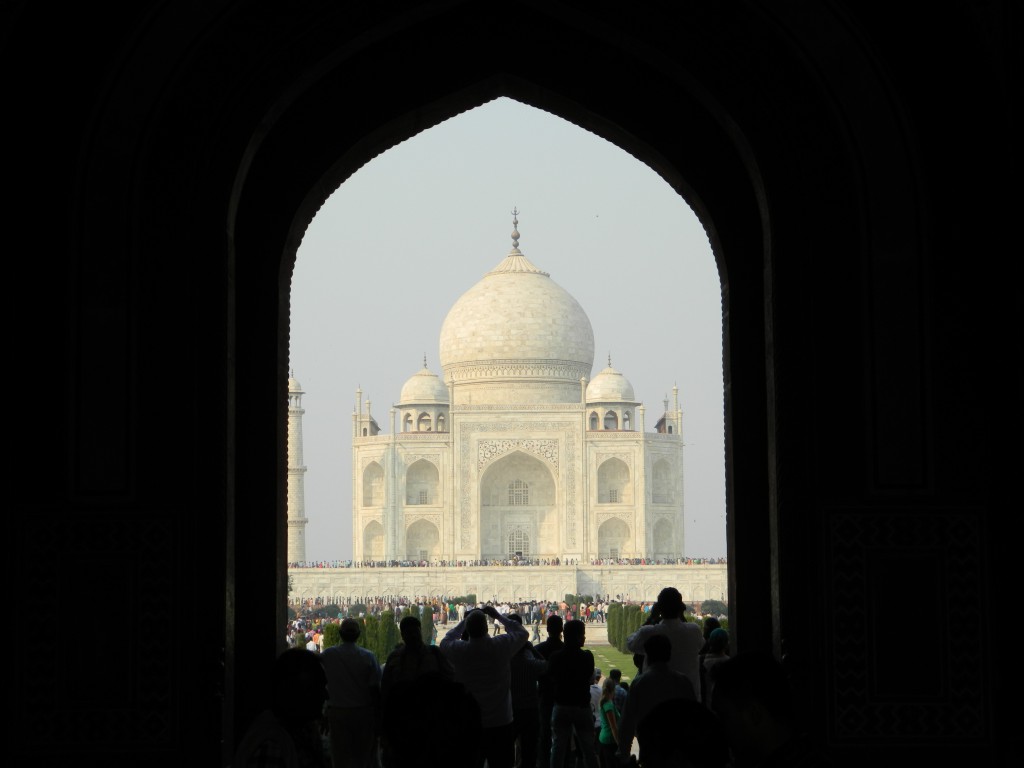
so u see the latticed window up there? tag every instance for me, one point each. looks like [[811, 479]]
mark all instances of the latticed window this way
[[518, 493], [518, 543], [613, 495], [424, 497]]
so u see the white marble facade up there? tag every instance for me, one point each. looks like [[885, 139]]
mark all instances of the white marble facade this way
[[514, 450]]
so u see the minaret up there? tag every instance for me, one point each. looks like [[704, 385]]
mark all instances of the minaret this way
[[296, 475]]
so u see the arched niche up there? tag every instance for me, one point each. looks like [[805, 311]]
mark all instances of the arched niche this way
[[662, 482], [373, 485], [421, 483], [422, 541], [373, 541], [517, 492], [613, 538], [664, 541], [614, 482]]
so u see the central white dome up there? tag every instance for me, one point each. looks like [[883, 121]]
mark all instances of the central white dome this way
[[518, 324]]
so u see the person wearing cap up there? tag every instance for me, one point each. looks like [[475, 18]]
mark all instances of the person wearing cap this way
[[686, 637], [353, 686]]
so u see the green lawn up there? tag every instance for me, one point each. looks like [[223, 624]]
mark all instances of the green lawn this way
[[607, 657]]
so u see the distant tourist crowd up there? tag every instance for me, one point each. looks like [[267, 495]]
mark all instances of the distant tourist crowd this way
[[439, 609], [509, 562]]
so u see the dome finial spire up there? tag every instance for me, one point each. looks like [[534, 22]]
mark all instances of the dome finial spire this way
[[515, 227], [424, 360], [609, 359]]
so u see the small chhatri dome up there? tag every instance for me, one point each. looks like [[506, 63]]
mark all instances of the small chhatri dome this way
[[423, 387], [610, 386], [293, 383]]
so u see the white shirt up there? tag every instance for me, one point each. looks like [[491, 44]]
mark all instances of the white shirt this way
[[595, 703], [353, 675], [687, 640], [482, 665]]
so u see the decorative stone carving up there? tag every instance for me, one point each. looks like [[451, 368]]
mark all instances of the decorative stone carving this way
[[412, 458], [488, 450], [602, 517], [410, 519]]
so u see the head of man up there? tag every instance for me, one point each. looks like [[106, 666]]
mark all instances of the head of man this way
[[718, 641], [554, 625], [476, 624], [574, 633], [657, 650], [616, 675], [350, 630], [411, 631], [670, 603]]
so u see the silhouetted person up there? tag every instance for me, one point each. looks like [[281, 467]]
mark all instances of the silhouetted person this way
[[755, 704], [658, 683], [413, 657], [710, 625], [609, 716], [620, 691], [420, 711], [667, 619], [546, 649], [679, 733], [595, 706], [525, 668], [288, 734], [353, 710], [417, 672], [570, 671], [481, 664], [718, 651]]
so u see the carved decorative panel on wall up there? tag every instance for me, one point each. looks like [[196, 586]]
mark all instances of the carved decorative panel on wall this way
[[129, 678], [906, 659]]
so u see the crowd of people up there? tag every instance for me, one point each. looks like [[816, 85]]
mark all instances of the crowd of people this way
[[501, 700], [507, 562], [441, 610]]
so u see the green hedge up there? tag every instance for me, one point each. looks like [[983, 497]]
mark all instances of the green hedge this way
[[332, 636], [622, 621]]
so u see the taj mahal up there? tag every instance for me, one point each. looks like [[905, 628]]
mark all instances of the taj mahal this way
[[515, 454]]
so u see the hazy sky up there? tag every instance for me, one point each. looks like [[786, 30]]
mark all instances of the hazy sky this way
[[393, 249]]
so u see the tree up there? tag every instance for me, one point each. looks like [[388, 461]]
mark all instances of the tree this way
[[714, 608]]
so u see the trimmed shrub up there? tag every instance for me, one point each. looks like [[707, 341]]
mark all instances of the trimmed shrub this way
[[332, 636]]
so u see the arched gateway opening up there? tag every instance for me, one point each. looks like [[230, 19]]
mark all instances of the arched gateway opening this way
[[685, 173]]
